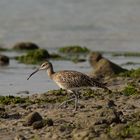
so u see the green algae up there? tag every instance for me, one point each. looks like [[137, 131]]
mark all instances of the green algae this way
[[74, 53], [6, 100], [56, 56], [52, 97], [73, 49], [131, 73], [130, 90], [130, 63], [89, 93], [126, 54], [34, 57], [130, 130], [4, 49]]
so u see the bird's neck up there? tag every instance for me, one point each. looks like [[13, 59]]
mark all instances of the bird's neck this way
[[50, 71]]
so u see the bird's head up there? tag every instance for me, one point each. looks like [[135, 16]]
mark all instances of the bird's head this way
[[46, 65]]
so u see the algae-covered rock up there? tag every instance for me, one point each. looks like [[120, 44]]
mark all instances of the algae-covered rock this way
[[75, 53], [32, 117], [131, 130], [4, 60], [103, 66], [56, 56], [130, 90], [126, 54], [131, 73], [34, 57], [6, 100], [3, 49], [73, 49], [25, 46]]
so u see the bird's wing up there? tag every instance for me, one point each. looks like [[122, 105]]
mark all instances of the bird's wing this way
[[73, 79]]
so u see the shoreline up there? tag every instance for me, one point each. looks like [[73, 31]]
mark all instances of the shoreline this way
[[99, 115]]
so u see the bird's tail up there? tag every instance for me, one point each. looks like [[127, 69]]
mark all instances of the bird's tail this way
[[100, 85]]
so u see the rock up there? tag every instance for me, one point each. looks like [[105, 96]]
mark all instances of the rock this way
[[25, 46], [20, 137], [34, 56], [73, 49], [38, 124], [102, 66], [4, 115], [110, 104], [15, 116], [49, 122], [23, 92], [32, 117], [2, 109], [4, 60]]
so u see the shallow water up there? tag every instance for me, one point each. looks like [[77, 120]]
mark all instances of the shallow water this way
[[13, 78], [98, 24], [105, 25]]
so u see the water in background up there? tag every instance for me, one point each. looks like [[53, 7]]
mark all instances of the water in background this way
[[107, 25], [98, 24]]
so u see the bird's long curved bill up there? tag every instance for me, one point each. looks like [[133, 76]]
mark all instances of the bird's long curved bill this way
[[33, 73]]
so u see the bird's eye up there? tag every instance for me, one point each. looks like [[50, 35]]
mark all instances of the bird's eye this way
[[43, 65]]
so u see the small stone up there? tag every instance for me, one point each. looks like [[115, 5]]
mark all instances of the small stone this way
[[23, 92], [38, 124], [4, 115], [4, 60], [110, 104], [32, 117], [15, 116], [2, 109], [49, 122]]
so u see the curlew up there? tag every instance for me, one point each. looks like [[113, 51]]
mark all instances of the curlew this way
[[72, 81]]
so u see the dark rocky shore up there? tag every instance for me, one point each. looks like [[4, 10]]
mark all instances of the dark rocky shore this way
[[101, 115]]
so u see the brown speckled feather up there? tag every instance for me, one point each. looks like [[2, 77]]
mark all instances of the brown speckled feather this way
[[73, 79], [69, 80]]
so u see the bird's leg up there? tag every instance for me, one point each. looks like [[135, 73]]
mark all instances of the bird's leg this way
[[65, 102], [76, 97], [76, 100]]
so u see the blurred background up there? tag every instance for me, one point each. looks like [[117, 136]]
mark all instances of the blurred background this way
[[100, 25]]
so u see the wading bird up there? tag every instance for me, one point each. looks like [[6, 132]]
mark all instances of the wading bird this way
[[72, 81]]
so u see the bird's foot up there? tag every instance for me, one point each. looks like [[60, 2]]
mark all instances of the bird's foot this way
[[65, 103]]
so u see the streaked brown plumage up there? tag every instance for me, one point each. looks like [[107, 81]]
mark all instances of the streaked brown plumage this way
[[73, 79], [69, 80]]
